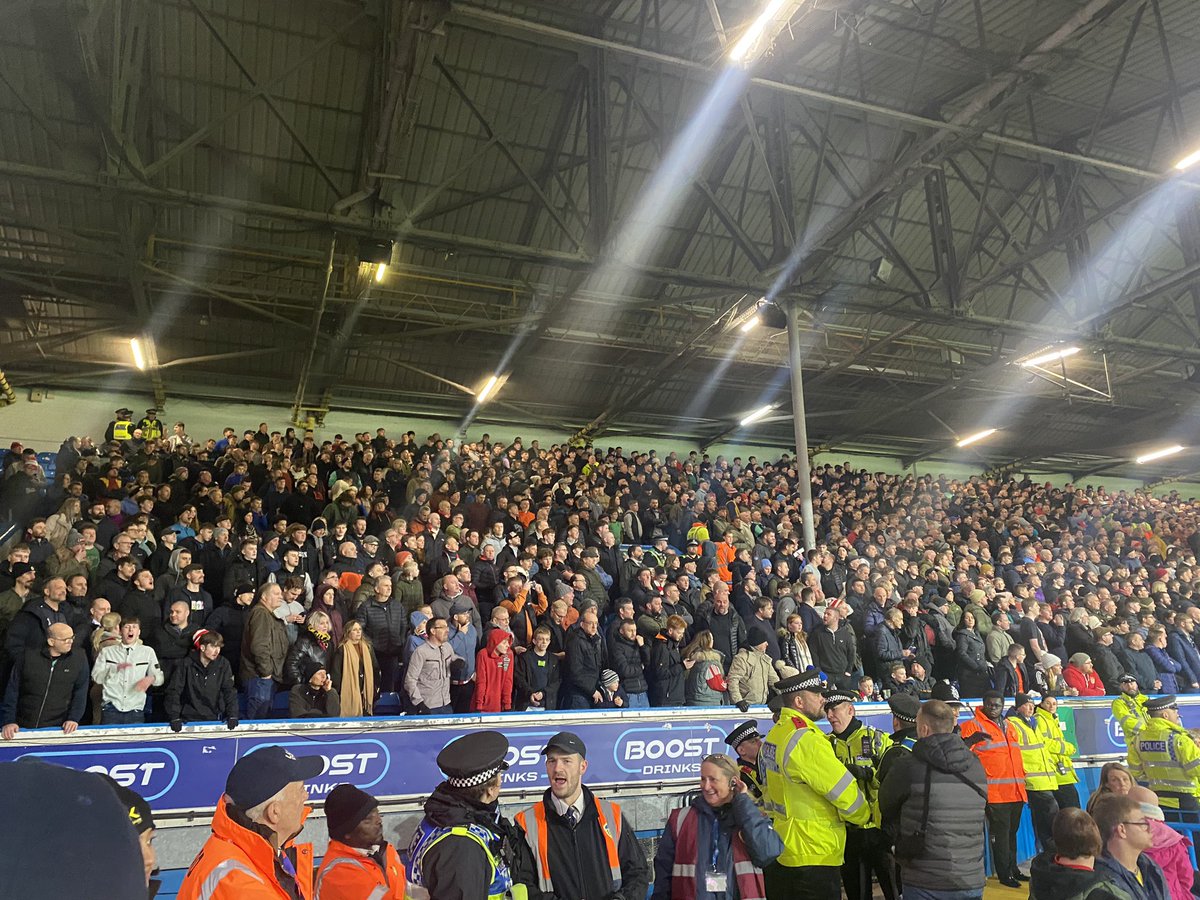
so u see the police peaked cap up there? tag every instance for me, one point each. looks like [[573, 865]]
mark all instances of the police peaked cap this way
[[834, 698], [745, 731], [811, 680], [474, 759], [1158, 704], [904, 706]]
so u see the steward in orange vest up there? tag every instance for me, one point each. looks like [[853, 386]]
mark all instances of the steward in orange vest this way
[[359, 863], [994, 740], [250, 855], [582, 846]]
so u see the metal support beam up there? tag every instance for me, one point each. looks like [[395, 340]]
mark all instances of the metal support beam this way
[[599, 189], [941, 233], [800, 427], [298, 404]]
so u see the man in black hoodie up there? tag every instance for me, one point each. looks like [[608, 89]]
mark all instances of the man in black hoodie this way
[[938, 791]]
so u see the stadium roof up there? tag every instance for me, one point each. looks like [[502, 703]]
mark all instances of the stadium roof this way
[[585, 197]]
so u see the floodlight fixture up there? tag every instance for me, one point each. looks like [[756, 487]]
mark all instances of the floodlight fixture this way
[[751, 323], [1160, 454], [760, 413], [1049, 356], [754, 40], [488, 389], [976, 437], [1188, 161], [380, 272], [139, 355]]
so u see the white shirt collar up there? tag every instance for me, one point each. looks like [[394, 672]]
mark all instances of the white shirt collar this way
[[561, 808]]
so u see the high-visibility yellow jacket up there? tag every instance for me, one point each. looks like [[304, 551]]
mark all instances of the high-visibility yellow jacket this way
[[1164, 757], [809, 795], [864, 746], [1040, 774], [1061, 750], [1131, 713]]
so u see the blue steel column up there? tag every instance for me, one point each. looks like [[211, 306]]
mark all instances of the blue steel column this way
[[804, 485]]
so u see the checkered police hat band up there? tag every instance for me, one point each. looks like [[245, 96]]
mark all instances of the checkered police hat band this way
[[475, 780]]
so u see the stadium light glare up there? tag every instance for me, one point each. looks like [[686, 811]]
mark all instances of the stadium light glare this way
[[488, 389], [751, 323], [1188, 161], [380, 272], [976, 437], [139, 356], [1049, 356], [759, 413], [1159, 454], [752, 42]]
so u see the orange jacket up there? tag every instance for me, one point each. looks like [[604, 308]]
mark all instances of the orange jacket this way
[[236, 863], [346, 874], [726, 554], [1000, 753]]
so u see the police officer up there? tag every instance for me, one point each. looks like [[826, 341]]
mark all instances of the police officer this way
[[464, 849], [1129, 709], [860, 749], [809, 796], [121, 428], [1164, 758], [746, 742], [904, 709]]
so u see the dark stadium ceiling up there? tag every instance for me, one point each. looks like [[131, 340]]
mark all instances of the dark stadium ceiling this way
[[207, 173]]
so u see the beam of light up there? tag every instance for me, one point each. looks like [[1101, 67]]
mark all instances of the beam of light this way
[[488, 389], [1159, 454], [751, 323], [754, 40], [976, 437], [1188, 161], [760, 413], [139, 357], [1051, 356], [380, 272]]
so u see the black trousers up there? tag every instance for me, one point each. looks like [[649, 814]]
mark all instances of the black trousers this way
[[389, 672], [868, 851], [1043, 807], [1067, 796], [1003, 821], [461, 696], [802, 882]]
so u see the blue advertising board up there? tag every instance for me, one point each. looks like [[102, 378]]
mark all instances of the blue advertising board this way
[[395, 758]]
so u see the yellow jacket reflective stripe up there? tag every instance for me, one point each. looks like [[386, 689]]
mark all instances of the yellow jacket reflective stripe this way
[[1130, 712], [864, 747], [1060, 749], [808, 794], [1164, 757], [1040, 774]]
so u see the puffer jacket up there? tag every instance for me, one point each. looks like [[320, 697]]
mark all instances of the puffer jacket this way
[[953, 856], [385, 624], [750, 677], [697, 691], [628, 660], [306, 648]]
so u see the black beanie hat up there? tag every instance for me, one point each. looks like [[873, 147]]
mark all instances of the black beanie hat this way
[[345, 807]]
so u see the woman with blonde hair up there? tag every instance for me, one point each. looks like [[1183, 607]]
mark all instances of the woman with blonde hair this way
[[356, 673], [719, 842], [705, 685], [60, 525]]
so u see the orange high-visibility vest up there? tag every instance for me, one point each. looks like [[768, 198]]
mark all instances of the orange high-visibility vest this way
[[1000, 754], [537, 835]]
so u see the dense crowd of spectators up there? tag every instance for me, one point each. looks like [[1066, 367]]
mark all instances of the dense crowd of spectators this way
[[492, 575]]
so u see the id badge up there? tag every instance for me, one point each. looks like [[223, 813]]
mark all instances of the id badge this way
[[714, 883]]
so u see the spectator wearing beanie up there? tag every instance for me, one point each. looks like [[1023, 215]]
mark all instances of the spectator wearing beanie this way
[[1080, 675], [358, 863], [612, 694], [314, 698]]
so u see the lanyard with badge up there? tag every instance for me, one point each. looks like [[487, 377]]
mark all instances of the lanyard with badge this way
[[714, 881]]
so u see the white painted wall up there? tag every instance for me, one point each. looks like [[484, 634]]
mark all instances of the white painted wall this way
[[44, 425]]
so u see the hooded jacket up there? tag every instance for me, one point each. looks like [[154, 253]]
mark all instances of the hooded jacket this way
[[1050, 881], [667, 687], [953, 855], [494, 675]]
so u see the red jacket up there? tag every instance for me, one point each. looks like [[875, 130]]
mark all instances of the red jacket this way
[[494, 675], [1088, 684]]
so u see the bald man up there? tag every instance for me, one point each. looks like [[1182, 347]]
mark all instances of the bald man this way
[[48, 686]]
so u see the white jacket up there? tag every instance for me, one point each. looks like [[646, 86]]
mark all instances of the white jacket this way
[[119, 683]]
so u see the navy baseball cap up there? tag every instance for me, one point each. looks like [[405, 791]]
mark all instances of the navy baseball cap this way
[[260, 775]]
